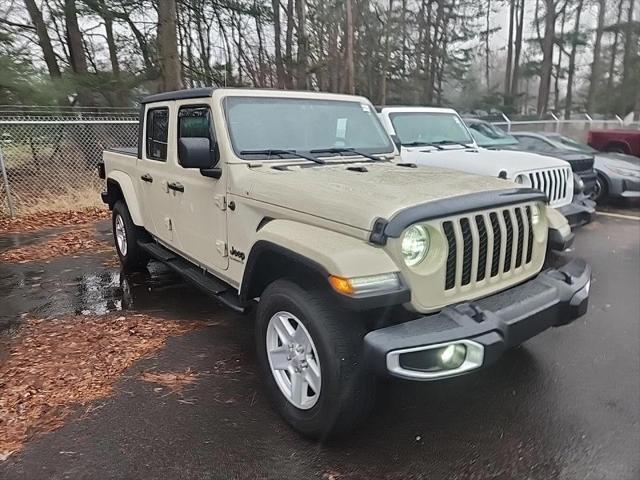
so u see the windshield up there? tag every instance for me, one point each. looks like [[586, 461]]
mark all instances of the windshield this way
[[484, 140], [414, 128], [492, 132], [573, 145], [301, 125]]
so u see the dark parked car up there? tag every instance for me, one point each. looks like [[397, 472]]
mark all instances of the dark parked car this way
[[582, 209]]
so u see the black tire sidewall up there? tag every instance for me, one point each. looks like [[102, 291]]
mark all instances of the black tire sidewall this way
[[320, 420], [133, 258], [603, 192]]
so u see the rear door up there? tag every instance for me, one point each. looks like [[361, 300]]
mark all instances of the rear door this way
[[153, 170], [199, 205]]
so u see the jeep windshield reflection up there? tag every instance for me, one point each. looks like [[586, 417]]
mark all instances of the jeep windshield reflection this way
[[417, 129], [272, 128]]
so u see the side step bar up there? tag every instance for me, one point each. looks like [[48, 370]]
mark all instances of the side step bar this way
[[211, 285]]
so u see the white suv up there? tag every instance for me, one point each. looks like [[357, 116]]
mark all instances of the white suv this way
[[438, 137]]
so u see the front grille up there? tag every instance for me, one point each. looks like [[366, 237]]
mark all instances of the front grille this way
[[487, 245], [553, 182], [581, 164]]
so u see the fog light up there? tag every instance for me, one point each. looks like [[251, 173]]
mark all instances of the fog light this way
[[453, 356]]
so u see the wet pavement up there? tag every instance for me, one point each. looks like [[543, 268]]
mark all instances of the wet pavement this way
[[566, 405]]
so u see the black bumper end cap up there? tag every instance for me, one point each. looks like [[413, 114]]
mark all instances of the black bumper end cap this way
[[558, 242]]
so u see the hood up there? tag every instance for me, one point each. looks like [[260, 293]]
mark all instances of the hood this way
[[621, 160], [481, 161], [356, 198]]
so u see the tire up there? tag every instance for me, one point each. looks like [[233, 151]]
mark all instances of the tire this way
[[601, 190], [346, 388], [130, 254], [616, 149]]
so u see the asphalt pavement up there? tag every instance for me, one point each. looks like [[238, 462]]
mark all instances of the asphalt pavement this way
[[566, 405]]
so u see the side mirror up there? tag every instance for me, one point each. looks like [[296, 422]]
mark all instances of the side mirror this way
[[396, 141], [196, 152]]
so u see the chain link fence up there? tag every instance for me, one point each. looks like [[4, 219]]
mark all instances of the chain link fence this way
[[48, 158], [48, 161]]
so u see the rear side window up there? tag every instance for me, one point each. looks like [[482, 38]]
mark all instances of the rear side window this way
[[195, 121], [157, 133]]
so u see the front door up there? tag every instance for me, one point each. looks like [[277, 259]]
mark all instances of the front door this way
[[153, 169], [199, 202]]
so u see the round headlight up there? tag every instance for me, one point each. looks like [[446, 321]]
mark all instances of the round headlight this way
[[535, 214], [523, 180], [578, 184], [415, 245]]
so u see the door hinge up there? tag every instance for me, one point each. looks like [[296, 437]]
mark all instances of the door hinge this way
[[168, 224], [221, 246], [221, 202]]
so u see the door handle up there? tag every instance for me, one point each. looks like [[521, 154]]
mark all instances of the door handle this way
[[177, 186], [146, 178]]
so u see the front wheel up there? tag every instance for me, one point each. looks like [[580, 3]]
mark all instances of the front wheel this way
[[600, 190], [310, 353], [126, 235]]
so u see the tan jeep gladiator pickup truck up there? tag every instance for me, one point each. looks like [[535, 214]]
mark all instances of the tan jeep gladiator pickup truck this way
[[360, 265]]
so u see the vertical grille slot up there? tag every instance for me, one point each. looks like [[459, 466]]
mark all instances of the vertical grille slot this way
[[467, 257], [509, 233], [482, 248], [530, 236], [497, 239], [518, 212], [450, 279]]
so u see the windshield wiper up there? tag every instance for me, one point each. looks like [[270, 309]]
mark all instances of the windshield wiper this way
[[451, 142], [347, 150], [418, 143], [279, 153]]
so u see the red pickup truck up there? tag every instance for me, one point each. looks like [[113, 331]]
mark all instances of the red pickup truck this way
[[620, 141]]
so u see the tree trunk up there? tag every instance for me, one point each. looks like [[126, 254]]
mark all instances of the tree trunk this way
[[507, 74], [629, 64], [280, 75], [385, 60], [486, 48], [556, 88], [572, 62], [43, 38], [516, 61], [302, 60], [350, 85], [595, 77], [614, 50], [77, 57], [288, 47], [168, 46], [547, 57]]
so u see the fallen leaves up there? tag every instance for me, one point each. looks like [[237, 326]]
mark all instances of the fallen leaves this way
[[174, 381], [78, 241], [53, 365], [37, 221]]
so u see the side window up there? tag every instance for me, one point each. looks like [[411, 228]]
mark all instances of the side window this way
[[195, 121], [157, 133]]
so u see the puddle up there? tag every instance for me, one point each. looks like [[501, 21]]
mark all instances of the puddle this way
[[83, 286]]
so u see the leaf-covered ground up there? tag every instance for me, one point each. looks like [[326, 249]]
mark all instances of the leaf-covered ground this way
[[42, 220], [52, 366]]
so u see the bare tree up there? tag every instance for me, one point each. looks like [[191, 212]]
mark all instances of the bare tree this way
[[168, 46], [572, 60], [596, 65], [350, 85], [43, 38]]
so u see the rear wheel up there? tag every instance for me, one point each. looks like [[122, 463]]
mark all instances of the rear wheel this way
[[310, 354], [126, 236]]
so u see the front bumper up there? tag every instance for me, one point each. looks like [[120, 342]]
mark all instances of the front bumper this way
[[626, 187], [579, 212], [490, 325]]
